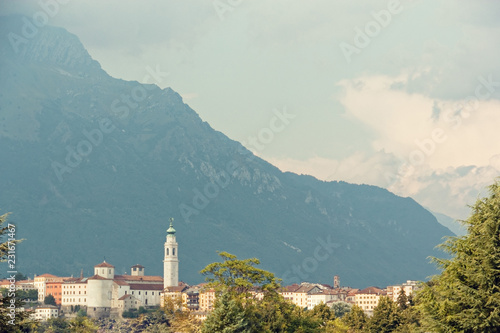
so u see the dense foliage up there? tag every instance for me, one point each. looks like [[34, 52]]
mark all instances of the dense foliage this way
[[465, 297]]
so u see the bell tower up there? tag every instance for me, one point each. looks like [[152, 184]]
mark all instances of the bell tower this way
[[171, 260]]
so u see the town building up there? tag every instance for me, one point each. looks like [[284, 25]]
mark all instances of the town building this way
[[24, 285], [45, 312], [54, 289], [206, 300], [367, 299], [74, 293], [409, 287], [40, 283]]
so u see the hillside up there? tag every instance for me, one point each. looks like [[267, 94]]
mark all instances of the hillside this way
[[94, 166]]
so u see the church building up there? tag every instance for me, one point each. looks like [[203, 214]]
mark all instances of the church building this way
[[107, 294]]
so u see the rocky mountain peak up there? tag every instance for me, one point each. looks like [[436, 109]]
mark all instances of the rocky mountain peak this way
[[28, 41]]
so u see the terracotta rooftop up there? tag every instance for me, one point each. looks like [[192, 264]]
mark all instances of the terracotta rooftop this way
[[120, 282], [46, 275], [137, 266], [371, 290], [104, 264], [290, 289], [176, 289], [352, 292], [144, 278], [124, 297], [305, 289]]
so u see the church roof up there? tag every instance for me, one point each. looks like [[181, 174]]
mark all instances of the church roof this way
[[133, 278], [143, 286], [137, 266], [104, 264], [120, 282], [125, 297]]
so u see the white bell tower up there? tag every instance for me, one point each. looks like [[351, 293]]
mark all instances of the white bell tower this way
[[171, 260]]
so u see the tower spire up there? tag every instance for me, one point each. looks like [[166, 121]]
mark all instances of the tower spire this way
[[171, 230], [171, 259]]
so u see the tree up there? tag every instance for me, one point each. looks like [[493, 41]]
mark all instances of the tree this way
[[32, 294], [82, 325], [402, 300], [356, 319], [239, 277], [228, 316], [49, 300], [55, 325], [21, 276], [386, 317], [341, 308], [238, 310], [465, 297]]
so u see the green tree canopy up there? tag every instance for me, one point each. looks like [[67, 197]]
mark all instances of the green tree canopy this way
[[355, 319], [239, 277], [228, 316], [386, 317], [49, 300], [402, 300], [341, 308], [465, 297]]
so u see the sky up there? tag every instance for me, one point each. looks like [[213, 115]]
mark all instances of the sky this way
[[400, 94]]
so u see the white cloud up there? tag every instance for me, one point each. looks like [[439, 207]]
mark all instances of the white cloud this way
[[405, 125]]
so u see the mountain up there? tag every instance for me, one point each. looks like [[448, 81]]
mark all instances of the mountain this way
[[94, 167], [450, 223]]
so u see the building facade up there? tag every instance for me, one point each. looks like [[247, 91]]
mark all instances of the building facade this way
[[367, 299]]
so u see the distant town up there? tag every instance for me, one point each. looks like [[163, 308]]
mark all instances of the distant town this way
[[109, 295]]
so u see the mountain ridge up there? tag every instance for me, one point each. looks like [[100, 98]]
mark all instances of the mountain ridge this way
[[139, 165]]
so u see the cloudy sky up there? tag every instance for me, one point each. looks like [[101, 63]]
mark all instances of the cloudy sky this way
[[399, 94]]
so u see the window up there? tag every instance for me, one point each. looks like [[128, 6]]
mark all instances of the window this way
[[167, 252], [173, 251]]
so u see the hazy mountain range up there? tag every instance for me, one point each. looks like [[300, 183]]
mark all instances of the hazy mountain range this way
[[94, 166]]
